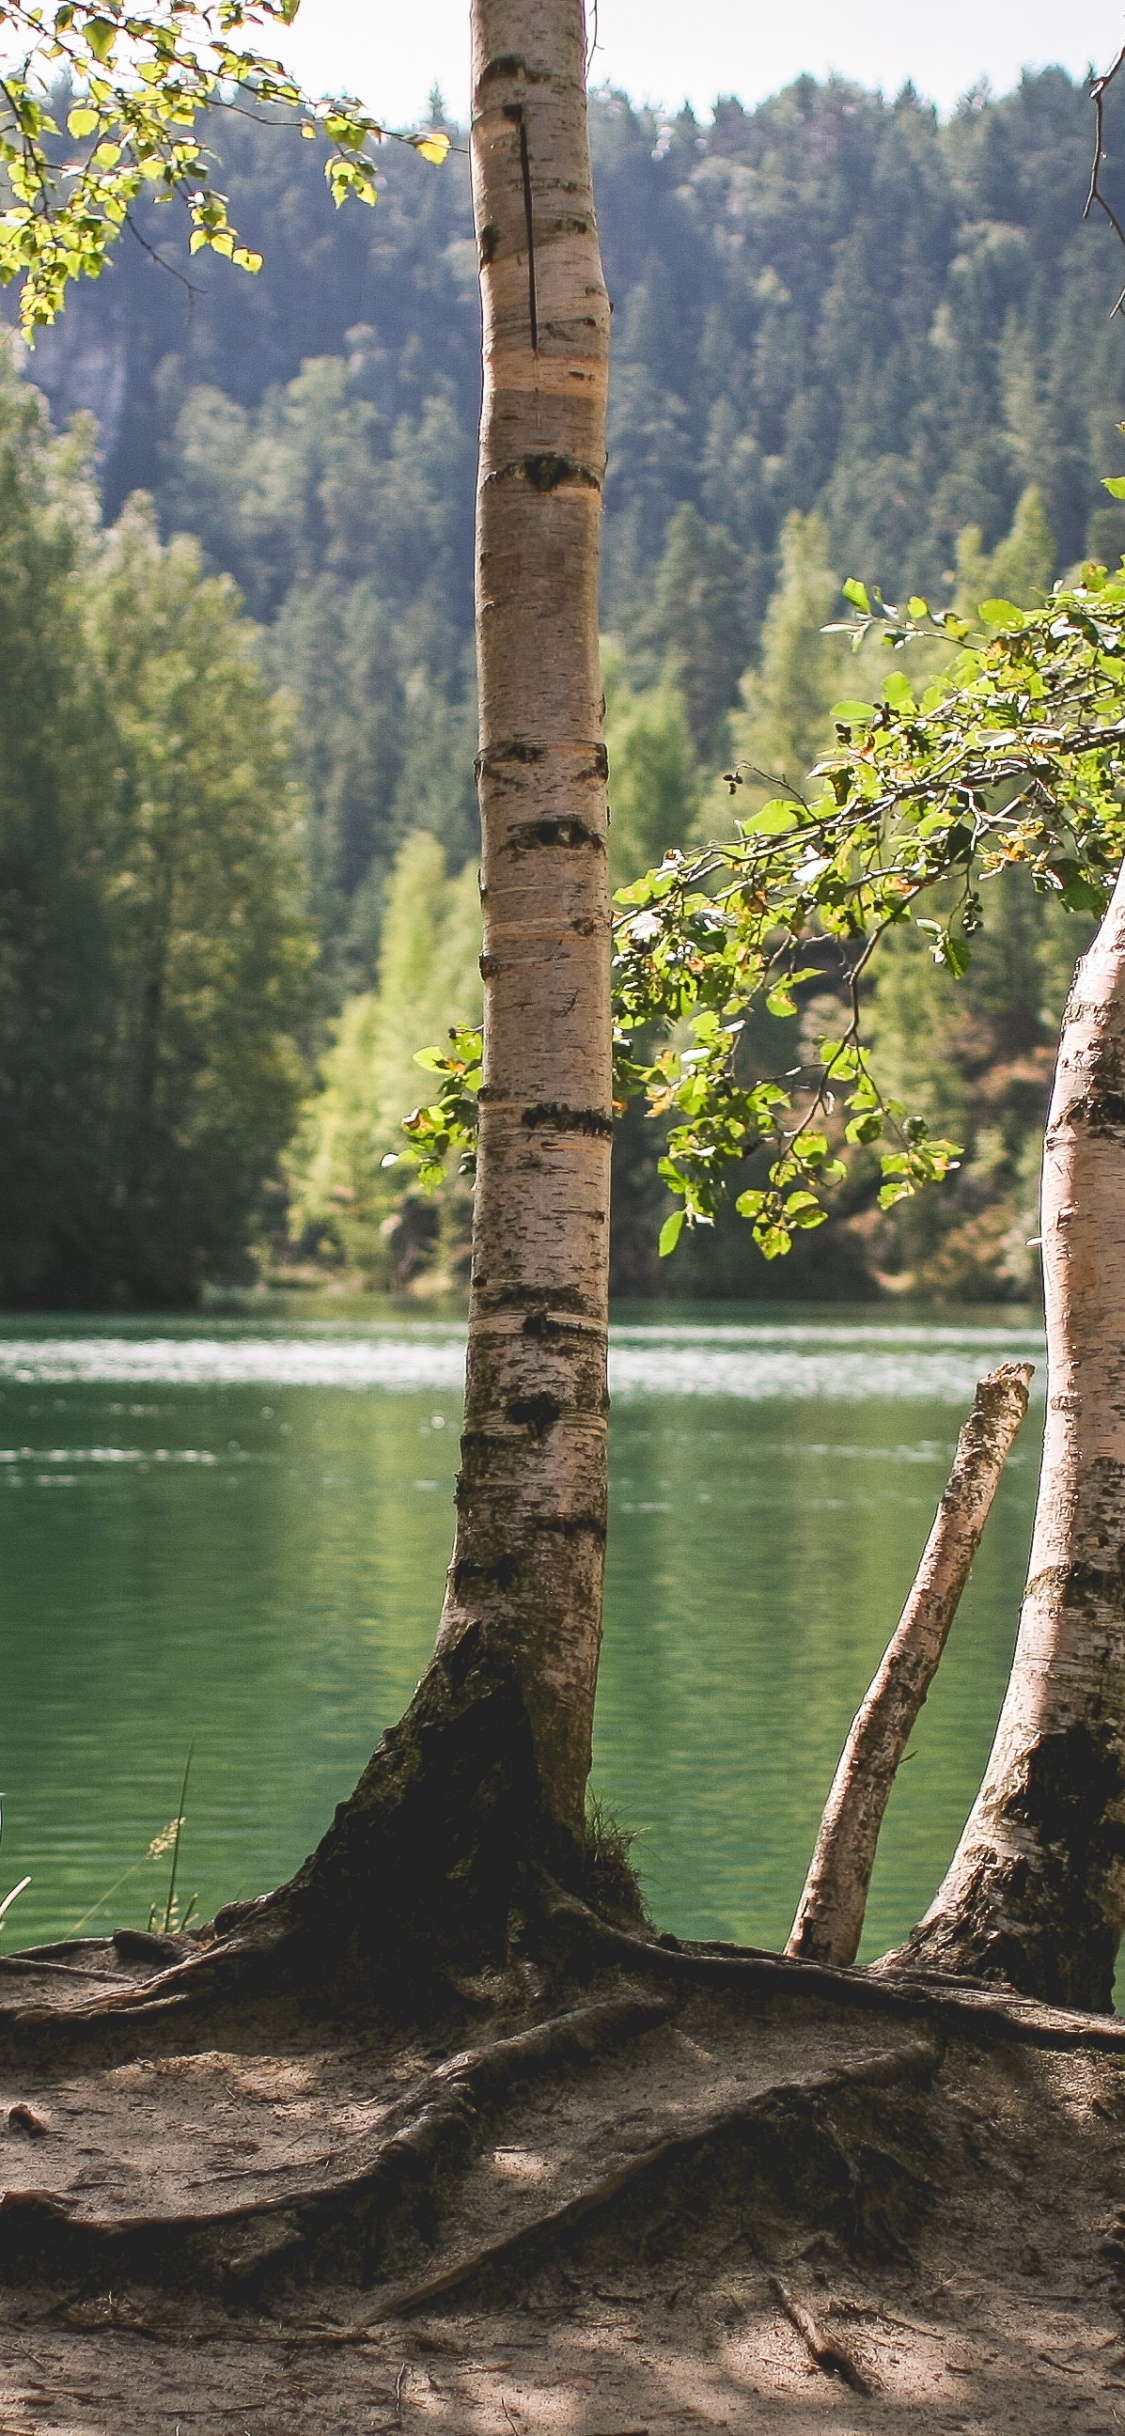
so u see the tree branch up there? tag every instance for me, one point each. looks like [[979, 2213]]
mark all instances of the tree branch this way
[[1098, 91], [830, 1914]]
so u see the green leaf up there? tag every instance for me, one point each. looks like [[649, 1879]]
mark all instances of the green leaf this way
[[773, 819], [82, 121], [1114, 484], [917, 606], [853, 714], [856, 593], [670, 1233], [899, 691], [1001, 613], [1081, 895]]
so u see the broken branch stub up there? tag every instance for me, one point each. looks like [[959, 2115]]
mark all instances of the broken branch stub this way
[[830, 1914]]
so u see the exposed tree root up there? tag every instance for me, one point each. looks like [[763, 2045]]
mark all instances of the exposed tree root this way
[[434, 2080], [972, 2007], [830, 2356]]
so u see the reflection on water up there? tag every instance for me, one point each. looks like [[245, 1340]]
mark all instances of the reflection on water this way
[[235, 1532], [829, 1361]]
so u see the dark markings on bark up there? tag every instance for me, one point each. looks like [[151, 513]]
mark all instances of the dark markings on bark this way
[[568, 1120], [1037, 1921], [489, 240], [548, 472], [548, 1328], [535, 1414], [1079, 1583], [569, 832], [540, 1326], [574, 1526], [482, 1449], [517, 749], [501, 1574], [506, 65], [491, 966], [514, 112], [1100, 1111], [520, 749], [511, 1296], [1082, 1010]]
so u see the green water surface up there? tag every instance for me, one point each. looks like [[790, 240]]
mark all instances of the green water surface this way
[[232, 1533]]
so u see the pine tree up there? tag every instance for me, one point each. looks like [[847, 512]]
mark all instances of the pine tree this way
[[802, 670], [693, 631], [1019, 569]]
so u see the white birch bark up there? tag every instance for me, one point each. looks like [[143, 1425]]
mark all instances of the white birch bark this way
[[829, 1919], [1035, 1894], [528, 1557]]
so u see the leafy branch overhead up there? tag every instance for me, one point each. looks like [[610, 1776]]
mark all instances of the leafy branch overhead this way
[[1016, 754], [137, 81]]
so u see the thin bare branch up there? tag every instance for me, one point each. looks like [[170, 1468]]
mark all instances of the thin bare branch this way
[[1098, 93], [830, 1914]]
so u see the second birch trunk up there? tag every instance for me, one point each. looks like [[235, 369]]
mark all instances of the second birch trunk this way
[[1035, 1894]]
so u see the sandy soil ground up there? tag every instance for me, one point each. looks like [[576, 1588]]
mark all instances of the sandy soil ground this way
[[725, 2206]]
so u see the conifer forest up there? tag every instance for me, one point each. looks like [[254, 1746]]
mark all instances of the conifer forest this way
[[480, 678], [849, 341]]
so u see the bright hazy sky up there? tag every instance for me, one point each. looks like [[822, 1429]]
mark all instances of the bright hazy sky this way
[[669, 51]]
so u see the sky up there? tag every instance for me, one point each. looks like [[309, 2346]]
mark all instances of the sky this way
[[670, 51]]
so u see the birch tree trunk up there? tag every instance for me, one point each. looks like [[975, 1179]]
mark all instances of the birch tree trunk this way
[[1035, 1894], [528, 1556]]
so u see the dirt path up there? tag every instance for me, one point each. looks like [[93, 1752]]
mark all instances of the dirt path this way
[[693, 2196]]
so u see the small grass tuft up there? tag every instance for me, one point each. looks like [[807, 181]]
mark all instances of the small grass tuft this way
[[612, 1883]]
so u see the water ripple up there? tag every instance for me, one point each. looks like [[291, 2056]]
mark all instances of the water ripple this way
[[853, 1363]]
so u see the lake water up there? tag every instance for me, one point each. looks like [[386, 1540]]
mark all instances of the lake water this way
[[231, 1533]]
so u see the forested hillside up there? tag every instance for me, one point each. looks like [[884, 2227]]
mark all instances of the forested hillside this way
[[154, 948], [847, 341]]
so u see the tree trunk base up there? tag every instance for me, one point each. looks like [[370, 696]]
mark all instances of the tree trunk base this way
[[1024, 1903], [431, 2104]]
